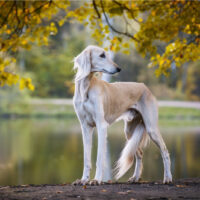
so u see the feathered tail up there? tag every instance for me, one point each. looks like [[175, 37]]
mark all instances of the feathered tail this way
[[139, 137]]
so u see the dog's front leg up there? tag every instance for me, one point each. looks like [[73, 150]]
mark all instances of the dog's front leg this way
[[101, 154], [87, 147]]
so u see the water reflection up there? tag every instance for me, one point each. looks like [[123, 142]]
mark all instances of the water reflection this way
[[42, 151]]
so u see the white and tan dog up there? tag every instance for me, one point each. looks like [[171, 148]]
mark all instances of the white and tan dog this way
[[99, 104]]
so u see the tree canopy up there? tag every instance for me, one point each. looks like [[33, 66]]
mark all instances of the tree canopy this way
[[22, 24], [166, 31]]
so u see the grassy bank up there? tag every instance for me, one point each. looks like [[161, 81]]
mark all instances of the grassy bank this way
[[178, 116], [27, 110]]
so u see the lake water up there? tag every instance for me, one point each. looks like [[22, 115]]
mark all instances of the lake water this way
[[49, 151]]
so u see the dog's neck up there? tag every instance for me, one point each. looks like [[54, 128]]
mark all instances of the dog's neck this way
[[82, 87]]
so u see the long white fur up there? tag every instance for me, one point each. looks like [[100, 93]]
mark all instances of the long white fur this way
[[127, 156]]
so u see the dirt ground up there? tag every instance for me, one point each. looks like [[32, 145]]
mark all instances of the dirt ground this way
[[180, 189]]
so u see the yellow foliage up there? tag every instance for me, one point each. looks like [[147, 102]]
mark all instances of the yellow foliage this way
[[175, 23], [140, 20], [26, 83], [23, 23], [70, 86]]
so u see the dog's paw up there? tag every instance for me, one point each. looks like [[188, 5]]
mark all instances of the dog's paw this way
[[80, 182], [167, 180], [95, 182], [133, 179]]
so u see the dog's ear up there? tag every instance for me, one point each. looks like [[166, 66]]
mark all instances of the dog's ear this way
[[83, 63]]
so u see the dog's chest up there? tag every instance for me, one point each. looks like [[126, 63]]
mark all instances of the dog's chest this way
[[85, 112]]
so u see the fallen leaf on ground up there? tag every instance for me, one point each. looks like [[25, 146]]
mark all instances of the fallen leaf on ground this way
[[59, 191], [84, 187], [181, 186]]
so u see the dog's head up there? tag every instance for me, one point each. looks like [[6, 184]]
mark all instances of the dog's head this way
[[94, 59]]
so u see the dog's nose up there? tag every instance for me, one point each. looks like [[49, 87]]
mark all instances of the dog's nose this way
[[118, 69]]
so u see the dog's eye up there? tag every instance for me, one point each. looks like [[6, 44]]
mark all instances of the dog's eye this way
[[103, 55]]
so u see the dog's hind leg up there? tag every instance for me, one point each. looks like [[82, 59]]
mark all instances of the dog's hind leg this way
[[158, 140], [129, 129], [127, 156], [138, 166], [150, 117]]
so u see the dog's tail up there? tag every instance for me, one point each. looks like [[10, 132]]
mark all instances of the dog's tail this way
[[138, 138]]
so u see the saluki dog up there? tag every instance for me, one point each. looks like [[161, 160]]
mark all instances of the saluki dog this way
[[99, 104]]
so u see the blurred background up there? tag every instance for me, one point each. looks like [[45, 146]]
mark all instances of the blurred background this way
[[40, 136], [51, 69]]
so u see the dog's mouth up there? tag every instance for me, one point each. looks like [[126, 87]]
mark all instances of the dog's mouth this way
[[107, 72]]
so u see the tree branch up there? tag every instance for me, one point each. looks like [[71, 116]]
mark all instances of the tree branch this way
[[4, 21], [40, 7], [113, 28], [126, 8], [96, 9], [16, 13]]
